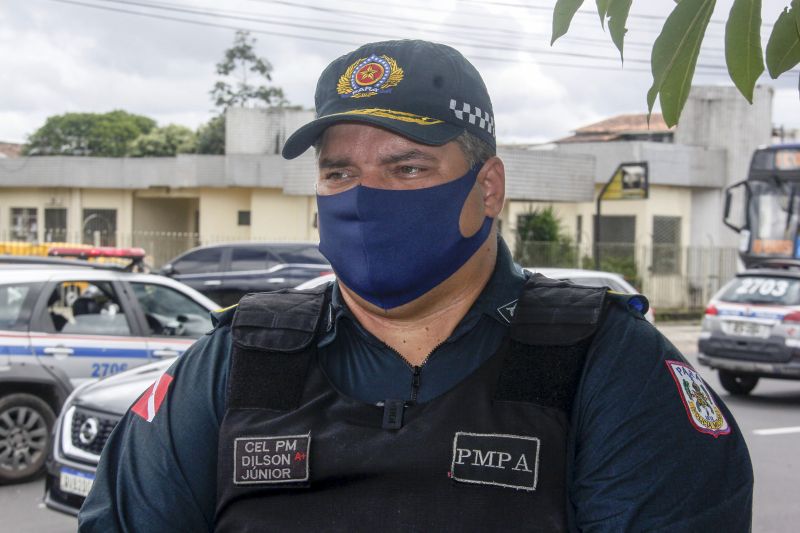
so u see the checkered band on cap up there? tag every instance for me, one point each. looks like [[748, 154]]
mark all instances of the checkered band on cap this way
[[473, 115]]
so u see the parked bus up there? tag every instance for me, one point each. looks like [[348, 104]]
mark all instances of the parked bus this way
[[764, 208]]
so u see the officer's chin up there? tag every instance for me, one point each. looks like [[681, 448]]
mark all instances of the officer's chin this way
[[478, 267]]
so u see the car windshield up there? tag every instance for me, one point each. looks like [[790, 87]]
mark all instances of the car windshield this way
[[762, 290]]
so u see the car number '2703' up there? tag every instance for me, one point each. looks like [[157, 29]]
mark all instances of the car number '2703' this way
[[100, 370], [763, 286]]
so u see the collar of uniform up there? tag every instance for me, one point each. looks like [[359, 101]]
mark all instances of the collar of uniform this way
[[497, 300]]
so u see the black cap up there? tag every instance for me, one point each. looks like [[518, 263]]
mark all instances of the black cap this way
[[425, 91]]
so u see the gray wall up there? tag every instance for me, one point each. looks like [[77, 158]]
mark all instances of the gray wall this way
[[670, 164], [261, 131], [719, 117], [544, 175]]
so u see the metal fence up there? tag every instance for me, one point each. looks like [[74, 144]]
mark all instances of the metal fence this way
[[672, 277], [160, 246]]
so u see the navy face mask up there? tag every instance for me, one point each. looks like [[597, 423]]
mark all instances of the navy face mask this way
[[392, 246]]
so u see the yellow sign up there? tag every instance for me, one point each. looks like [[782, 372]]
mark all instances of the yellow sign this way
[[628, 183]]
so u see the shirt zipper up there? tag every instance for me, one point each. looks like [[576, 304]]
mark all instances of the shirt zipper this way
[[415, 369]]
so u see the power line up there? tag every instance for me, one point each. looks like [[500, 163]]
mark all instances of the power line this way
[[658, 18], [471, 27], [496, 46], [328, 40]]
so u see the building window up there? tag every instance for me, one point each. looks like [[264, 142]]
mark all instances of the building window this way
[[618, 229], [244, 218], [55, 224], [666, 245], [616, 245], [99, 227], [24, 226]]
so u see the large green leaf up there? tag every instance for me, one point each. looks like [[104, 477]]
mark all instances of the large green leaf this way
[[602, 10], [743, 45], [675, 54], [617, 17], [783, 47], [562, 17]]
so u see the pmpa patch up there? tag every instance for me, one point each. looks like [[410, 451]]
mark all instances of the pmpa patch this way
[[704, 414], [491, 459], [268, 460], [369, 76]]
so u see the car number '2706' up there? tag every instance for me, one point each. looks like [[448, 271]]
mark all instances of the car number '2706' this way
[[100, 370]]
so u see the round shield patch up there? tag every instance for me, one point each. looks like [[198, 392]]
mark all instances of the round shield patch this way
[[703, 412], [369, 74]]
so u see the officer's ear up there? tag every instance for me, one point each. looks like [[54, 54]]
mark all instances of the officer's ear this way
[[492, 180]]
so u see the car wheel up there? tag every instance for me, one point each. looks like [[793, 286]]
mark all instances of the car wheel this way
[[738, 384], [25, 425]]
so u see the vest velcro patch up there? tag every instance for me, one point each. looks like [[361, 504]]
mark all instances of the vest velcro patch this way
[[267, 460], [490, 459]]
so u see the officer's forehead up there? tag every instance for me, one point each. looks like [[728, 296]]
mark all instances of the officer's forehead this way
[[354, 138]]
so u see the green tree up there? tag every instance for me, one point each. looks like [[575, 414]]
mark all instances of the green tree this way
[[541, 241], [88, 134], [164, 142], [211, 136], [244, 76], [675, 51]]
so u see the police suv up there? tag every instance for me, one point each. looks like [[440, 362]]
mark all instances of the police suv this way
[[751, 327], [63, 323]]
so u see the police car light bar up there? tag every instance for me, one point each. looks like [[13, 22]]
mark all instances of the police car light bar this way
[[100, 251]]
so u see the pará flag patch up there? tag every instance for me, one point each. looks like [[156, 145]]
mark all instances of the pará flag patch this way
[[704, 414], [148, 403]]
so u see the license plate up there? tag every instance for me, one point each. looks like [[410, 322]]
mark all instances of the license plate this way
[[75, 482], [746, 329]]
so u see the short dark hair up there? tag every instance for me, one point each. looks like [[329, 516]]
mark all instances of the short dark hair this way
[[475, 150]]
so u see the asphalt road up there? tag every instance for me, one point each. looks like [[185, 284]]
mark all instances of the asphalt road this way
[[773, 405]]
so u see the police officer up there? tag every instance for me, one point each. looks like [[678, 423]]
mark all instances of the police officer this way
[[434, 386]]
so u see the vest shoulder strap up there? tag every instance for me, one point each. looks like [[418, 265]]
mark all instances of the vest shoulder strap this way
[[273, 342], [553, 327], [284, 321], [553, 312]]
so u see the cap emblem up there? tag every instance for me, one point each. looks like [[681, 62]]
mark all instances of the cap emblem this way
[[369, 76]]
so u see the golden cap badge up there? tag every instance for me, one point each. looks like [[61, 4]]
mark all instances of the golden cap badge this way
[[369, 76]]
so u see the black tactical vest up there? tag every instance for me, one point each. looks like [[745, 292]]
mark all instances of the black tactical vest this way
[[295, 454]]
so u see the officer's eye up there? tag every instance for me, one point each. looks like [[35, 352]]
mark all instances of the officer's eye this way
[[410, 170], [337, 175]]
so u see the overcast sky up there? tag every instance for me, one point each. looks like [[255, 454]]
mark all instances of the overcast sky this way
[[60, 56]]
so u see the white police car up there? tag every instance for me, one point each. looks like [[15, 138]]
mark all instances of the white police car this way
[[63, 323], [89, 415], [751, 327]]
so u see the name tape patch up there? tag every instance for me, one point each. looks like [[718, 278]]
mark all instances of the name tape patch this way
[[491, 459], [266, 460]]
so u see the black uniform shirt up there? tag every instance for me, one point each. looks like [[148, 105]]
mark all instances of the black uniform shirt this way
[[638, 460]]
